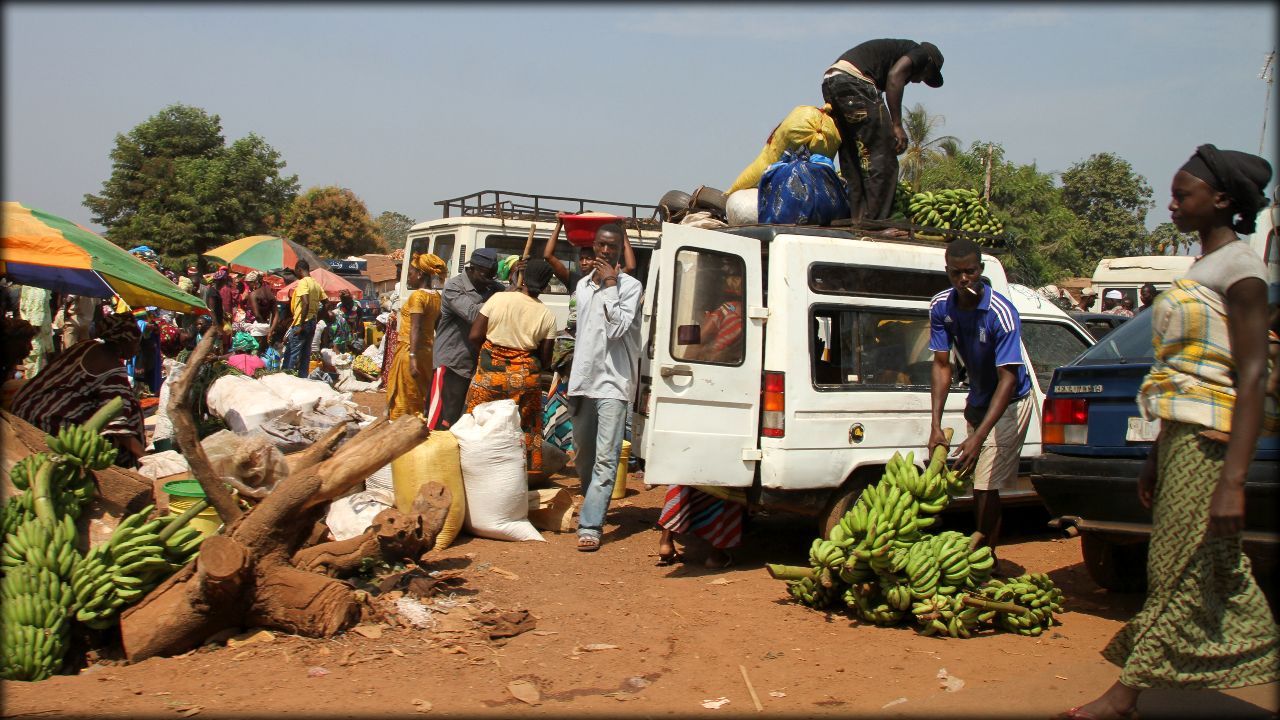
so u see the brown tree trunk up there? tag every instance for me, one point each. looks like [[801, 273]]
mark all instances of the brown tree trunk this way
[[273, 583]]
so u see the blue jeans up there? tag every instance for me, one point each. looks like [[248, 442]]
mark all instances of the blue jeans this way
[[297, 352], [598, 425]]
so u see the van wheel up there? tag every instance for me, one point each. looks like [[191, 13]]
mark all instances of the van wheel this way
[[841, 500], [1118, 566]]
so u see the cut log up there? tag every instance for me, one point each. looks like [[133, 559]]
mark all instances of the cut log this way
[[198, 601], [302, 603], [340, 557], [318, 451]]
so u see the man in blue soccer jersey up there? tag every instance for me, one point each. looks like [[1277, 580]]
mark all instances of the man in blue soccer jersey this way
[[984, 329]]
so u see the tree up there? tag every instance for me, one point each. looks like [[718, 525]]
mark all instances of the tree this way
[[1041, 233], [394, 228], [1112, 201], [922, 145], [177, 187], [333, 222], [1167, 240]]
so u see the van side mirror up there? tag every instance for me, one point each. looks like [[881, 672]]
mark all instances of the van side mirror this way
[[689, 335]]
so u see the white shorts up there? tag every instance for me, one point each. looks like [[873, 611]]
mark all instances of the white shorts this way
[[997, 466]]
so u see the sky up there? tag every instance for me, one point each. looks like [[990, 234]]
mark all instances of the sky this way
[[409, 104]]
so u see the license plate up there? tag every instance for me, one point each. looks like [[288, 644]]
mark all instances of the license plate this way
[[1142, 430]]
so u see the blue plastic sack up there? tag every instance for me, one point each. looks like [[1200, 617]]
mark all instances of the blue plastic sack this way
[[802, 189]]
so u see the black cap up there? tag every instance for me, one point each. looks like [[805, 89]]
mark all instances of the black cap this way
[[933, 73]]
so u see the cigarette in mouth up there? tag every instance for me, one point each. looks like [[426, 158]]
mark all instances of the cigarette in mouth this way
[[971, 291]]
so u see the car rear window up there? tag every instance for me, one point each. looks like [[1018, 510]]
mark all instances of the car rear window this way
[[1129, 343]]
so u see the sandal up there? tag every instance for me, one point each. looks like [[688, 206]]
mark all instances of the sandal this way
[[712, 564], [670, 558], [1079, 713], [588, 543]]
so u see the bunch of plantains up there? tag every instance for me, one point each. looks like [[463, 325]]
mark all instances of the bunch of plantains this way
[[953, 209], [47, 583], [879, 563]]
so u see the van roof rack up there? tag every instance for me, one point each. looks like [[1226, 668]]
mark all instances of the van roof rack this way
[[544, 208], [876, 230]]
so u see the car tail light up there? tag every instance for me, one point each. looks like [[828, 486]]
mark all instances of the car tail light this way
[[773, 403], [1066, 421]]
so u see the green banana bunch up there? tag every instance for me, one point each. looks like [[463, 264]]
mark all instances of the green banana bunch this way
[[942, 615], [953, 209], [870, 605], [141, 554], [34, 623], [1034, 591], [43, 543], [24, 471], [901, 200], [15, 511], [826, 554], [922, 568], [812, 593]]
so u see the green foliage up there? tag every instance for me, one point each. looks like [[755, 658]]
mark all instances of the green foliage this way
[[922, 146], [394, 228], [331, 221], [1167, 240], [175, 185], [1042, 233], [1111, 201]]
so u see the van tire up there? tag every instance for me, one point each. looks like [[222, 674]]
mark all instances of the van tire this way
[[1116, 566], [842, 499]]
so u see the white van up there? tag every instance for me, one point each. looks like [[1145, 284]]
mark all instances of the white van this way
[[1129, 274], [831, 375], [501, 220], [1263, 241]]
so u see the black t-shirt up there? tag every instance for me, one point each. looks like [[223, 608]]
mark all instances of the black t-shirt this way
[[876, 57]]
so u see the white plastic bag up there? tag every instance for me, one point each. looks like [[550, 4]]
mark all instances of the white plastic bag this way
[[491, 452], [351, 515], [742, 208], [164, 426]]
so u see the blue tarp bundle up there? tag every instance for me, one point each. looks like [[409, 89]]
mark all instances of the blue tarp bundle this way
[[802, 189]]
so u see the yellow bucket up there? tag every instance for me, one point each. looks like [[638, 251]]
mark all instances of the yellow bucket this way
[[185, 493], [620, 483]]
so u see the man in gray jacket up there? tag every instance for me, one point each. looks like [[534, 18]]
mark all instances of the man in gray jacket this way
[[455, 356]]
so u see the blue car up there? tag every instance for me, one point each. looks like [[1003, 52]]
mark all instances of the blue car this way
[[1094, 445]]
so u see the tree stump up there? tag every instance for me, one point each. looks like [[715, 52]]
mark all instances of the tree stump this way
[[260, 571]]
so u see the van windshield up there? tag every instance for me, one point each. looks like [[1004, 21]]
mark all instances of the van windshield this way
[[1129, 343]]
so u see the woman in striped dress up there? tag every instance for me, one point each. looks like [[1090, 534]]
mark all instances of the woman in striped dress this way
[[1205, 623], [83, 378]]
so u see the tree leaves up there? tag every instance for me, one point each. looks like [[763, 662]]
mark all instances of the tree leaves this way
[[175, 185], [331, 221], [394, 228]]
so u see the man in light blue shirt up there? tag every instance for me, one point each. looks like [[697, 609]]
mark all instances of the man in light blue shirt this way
[[603, 377]]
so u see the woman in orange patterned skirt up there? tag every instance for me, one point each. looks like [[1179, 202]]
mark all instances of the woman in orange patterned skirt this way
[[513, 326], [410, 372]]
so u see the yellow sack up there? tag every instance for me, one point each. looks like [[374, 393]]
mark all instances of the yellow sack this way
[[435, 460], [805, 126]]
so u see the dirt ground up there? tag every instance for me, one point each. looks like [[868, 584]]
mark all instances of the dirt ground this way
[[617, 635]]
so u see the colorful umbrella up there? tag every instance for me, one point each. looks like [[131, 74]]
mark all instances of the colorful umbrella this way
[[330, 283], [46, 251], [264, 252]]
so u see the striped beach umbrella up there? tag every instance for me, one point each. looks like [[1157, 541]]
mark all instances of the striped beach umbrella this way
[[264, 252], [46, 251]]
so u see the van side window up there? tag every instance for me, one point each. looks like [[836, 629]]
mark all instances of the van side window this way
[[863, 348], [708, 313], [876, 281], [444, 250], [420, 245], [514, 245]]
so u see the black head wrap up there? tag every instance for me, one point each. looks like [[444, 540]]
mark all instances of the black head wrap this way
[[537, 273], [1240, 175]]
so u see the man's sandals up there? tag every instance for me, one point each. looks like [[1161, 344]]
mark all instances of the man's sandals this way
[[588, 543]]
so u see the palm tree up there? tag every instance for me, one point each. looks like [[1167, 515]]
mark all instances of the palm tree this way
[[921, 145]]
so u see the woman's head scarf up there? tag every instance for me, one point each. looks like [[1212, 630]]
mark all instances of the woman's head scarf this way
[[243, 342], [1241, 176], [429, 264], [119, 329]]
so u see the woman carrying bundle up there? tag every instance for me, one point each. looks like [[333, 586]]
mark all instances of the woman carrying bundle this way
[[409, 377]]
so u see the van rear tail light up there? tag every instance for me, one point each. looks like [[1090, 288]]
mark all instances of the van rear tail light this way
[[1066, 421], [773, 404]]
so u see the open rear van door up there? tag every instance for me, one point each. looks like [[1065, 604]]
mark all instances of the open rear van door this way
[[708, 340]]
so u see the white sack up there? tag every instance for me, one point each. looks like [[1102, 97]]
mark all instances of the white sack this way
[[351, 515], [243, 403], [301, 392], [742, 207], [491, 452]]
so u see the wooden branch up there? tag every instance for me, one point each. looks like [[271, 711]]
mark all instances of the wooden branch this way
[[377, 446], [184, 431], [340, 557], [319, 450]]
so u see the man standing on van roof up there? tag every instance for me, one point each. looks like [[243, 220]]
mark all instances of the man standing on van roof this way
[[870, 139], [455, 357], [603, 377], [985, 330]]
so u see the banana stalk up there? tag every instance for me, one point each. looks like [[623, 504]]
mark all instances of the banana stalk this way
[[789, 572], [105, 414], [1004, 607], [181, 521]]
